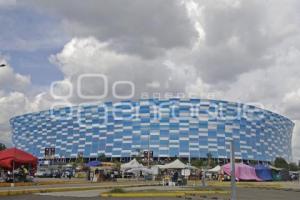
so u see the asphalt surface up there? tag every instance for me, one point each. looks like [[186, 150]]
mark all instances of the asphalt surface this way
[[95, 193], [72, 185], [243, 194]]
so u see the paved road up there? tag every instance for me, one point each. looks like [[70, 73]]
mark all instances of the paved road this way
[[243, 194], [95, 193], [255, 194], [75, 185]]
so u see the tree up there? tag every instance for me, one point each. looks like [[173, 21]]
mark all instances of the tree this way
[[211, 162], [209, 158], [281, 163], [293, 167], [102, 157], [2, 147], [197, 163], [79, 160]]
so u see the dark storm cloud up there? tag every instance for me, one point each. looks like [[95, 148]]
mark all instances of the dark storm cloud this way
[[141, 27], [240, 37]]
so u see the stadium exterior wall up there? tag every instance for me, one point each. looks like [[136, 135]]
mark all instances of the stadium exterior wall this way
[[177, 128]]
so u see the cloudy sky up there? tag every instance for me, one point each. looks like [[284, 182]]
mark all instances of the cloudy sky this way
[[238, 50]]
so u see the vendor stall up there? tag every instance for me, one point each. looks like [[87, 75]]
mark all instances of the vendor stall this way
[[19, 164], [275, 173], [13, 158], [106, 172], [215, 173], [177, 173], [133, 164], [242, 172]]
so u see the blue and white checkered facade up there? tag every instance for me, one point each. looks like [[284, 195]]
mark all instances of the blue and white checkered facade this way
[[169, 128]]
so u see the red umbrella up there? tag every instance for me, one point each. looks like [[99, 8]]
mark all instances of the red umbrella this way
[[13, 157]]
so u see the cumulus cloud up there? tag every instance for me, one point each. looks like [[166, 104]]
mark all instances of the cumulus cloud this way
[[12, 104], [292, 100], [16, 98], [9, 80], [92, 58]]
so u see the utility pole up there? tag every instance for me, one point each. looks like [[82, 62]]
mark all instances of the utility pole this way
[[232, 162]]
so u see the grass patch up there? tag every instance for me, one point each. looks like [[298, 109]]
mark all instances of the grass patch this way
[[208, 189], [117, 190]]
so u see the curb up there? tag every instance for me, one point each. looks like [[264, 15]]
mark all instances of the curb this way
[[162, 194], [32, 184], [267, 186], [262, 187]]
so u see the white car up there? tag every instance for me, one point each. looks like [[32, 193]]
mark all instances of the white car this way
[[42, 173]]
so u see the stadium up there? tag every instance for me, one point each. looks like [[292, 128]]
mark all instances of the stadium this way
[[185, 128]]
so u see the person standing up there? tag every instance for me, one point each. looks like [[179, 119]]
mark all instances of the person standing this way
[[175, 178], [221, 175], [202, 175]]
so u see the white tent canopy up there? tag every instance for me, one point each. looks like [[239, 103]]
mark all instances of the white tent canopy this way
[[144, 170], [215, 169], [191, 167], [275, 168], [133, 164], [177, 164]]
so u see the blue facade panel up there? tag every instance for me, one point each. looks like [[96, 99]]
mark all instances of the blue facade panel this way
[[170, 128]]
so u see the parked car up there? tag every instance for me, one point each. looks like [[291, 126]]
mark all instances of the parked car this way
[[67, 173], [43, 173], [56, 173]]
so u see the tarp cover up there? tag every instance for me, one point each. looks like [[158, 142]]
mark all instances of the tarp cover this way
[[263, 172], [94, 163], [18, 157], [131, 165], [242, 171]]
